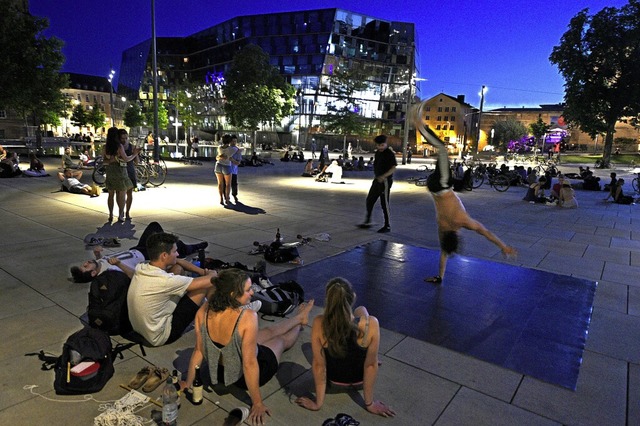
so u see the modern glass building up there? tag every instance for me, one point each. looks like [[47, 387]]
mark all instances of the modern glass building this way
[[305, 46]]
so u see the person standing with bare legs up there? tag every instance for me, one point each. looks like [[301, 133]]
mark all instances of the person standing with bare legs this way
[[131, 170], [223, 169], [117, 182]]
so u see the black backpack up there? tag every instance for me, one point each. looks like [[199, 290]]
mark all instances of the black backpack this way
[[278, 253], [107, 308], [280, 299], [90, 348]]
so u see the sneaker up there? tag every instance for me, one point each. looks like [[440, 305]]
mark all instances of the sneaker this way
[[254, 306], [384, 229], [365, 225], [200, 246]]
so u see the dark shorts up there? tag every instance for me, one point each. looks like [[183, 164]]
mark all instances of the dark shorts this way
[[183, 315], [268, 364], [76, 189]]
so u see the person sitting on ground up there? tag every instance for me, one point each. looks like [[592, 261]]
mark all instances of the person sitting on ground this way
[[126, 261], [308, 169], [85, 160], [161, 302], [9, 166], [567, 198], [295, 156], [613, 187], [345, 346], [67, 161], [556, 187], [236, 350], [619, 197], [285, 157], [36, 168], [532, 177], [535, 192], [71, 182], [334, 172], [361, 163], [3, 153]]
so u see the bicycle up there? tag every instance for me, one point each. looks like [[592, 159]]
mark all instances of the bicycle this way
[[546, 166], [150, 171], [99, 174], [502, 181], [635, 183], [421, 180]]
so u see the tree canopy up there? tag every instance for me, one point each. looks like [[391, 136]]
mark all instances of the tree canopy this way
[[344, 111], [599, 58], [31, 81], [507, 131], [255, 93]]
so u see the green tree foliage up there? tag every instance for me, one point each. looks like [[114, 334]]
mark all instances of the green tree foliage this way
[[599, 58], [539, 129], [506, 131], [163, 117], [133, 116], [189, 105], [30, 79], [96, 117], [79, 116], [256, 94], [343, 113]]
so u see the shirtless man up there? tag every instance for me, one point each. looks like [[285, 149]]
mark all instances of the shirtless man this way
[[450, 212]]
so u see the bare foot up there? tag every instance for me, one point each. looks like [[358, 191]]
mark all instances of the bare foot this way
[[303, 311]]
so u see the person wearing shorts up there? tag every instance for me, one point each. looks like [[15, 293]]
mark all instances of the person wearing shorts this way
[[161, 302], [223, 168], [450, 212], [237, 351]]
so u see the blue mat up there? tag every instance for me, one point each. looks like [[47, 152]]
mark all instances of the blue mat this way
[[530, 321]]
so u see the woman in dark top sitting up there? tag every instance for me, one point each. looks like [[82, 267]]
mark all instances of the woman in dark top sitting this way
[[236, 351], [345, 348]]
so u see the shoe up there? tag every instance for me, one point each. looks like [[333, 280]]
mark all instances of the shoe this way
[[141, 377], [254, 306], [93, 241], [156, 377], [120, 219], [434, 280], [237, 416], [384, 229], [236, 199], [532, 202], [110, 218], [200, 246], [365, 225], [111, 242]]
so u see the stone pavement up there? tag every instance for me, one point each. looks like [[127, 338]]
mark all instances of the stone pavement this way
[[43, 233]]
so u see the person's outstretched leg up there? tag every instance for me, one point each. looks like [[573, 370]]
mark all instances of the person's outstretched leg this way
[[443, 170], [282, 335]]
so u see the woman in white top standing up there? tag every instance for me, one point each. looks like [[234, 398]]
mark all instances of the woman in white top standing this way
[[223, 169]]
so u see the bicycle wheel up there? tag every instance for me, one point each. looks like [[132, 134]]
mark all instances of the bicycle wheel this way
[[477, 179], [635, 184], [141, 174], [99, 175], [157, 173], [501, 183]]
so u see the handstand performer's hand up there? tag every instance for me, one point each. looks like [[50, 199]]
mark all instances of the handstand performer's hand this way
[[510, 252]]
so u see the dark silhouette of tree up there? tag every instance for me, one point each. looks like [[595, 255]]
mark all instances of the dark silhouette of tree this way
[[599, 58]]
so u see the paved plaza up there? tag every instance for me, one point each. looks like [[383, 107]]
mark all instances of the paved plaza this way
[[426, 384]]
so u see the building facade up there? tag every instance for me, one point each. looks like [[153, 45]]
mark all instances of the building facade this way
[[306, 47], [452, 119]]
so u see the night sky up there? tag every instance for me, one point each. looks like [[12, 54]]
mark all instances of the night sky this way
[[503, 44]]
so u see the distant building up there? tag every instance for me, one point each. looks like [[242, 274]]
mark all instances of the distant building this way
[[452, 119], [305, 46]]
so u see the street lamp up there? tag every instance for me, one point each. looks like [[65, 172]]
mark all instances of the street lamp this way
[[111, 75], [482, 92]]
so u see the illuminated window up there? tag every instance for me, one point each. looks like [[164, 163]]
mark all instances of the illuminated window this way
[[185, 60]]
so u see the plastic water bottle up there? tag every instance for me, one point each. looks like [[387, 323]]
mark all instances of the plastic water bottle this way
[[169, 404]]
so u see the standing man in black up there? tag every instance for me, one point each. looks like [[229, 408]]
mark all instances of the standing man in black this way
[[384, 165]]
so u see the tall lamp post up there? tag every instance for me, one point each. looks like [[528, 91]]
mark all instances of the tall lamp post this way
[[111, 75], [479, 118]]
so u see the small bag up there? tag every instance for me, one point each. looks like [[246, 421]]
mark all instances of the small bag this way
[[280, 299]]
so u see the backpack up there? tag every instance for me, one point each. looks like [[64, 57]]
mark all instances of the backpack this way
[[89, 348], [107, 308], [277, 253], [279, 299]]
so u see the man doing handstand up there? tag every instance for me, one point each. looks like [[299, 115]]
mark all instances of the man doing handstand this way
[[450, 212]]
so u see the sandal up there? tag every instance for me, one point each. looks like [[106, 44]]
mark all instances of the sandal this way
[[343, 419], [155, 379], [94, 241], [434, 280], [141, 377], [111, 242]]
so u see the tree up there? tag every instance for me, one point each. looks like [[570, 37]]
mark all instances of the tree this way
[[344, 112], [79, 116], [506, 131], [599, 58], [133, 116], [30, 79], [163, 116], [96, 117], [539, 129], [255, 92]]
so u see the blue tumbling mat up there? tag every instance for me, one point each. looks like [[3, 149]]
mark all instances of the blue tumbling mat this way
[[529, 321]]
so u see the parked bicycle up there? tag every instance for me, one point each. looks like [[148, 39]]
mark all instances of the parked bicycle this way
[[147, 171], [421, 180]]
